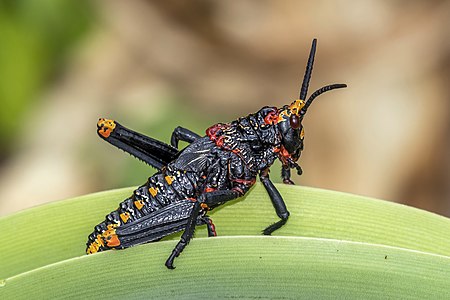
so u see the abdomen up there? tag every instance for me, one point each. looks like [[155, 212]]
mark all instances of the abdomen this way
[[156, 209]]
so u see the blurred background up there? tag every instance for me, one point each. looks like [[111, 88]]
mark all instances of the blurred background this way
[[154, 65]]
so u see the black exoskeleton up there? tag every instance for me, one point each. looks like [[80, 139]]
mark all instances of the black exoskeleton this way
[[214, 169]]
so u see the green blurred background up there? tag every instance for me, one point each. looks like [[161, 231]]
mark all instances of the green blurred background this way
[[154, 65]]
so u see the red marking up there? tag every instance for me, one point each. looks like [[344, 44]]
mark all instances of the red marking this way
[[284, 152], [244, 181], [239, 190], [213, 227], [209, 190], [284, 155], [237, 151], [213, 132], [271, 118], [219, 141]]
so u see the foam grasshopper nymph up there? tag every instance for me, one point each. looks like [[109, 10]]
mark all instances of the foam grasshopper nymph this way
[[211, 170]]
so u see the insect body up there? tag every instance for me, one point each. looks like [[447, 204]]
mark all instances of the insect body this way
[[221, 166]]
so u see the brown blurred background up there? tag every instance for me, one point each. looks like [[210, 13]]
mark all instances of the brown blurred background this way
[[154, 65]]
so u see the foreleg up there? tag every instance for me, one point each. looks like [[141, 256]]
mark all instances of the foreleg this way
[[286, 175], [286, 171]]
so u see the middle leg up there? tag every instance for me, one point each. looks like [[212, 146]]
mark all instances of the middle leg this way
[[277, 201], [182, 134]]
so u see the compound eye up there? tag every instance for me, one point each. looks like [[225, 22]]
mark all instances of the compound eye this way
[[294, 120]]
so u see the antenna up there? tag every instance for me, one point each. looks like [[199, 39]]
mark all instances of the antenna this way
[[308, 72], [321, 91]]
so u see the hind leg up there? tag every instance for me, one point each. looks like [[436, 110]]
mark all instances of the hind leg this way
[[151, 151]]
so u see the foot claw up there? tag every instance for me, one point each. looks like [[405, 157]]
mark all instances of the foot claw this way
[[288, 181], [169, 265]]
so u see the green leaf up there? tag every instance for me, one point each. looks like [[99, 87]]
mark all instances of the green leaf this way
[[347, 252], [242, 268]]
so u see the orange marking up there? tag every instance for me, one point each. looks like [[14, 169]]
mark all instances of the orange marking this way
[[153, 191], [204, 206], [209, 190], [125, 216], [169, 179], [105, 127], [139, 204], [113, 241], [110, 236]]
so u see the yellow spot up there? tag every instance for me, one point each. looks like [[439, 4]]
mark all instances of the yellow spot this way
[[294, 108], [125, 216], [153, 191], [111, 230], [99, 240], [91, 249], [105, 127], [169, 179], [281, 116], [95, 245], [302, 133], [139, 204]]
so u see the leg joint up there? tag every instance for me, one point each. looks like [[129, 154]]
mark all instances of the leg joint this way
[[284, 215]]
